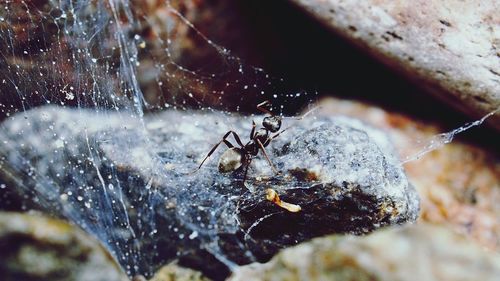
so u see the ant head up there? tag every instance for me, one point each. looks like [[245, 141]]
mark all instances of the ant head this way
[[272, 123]]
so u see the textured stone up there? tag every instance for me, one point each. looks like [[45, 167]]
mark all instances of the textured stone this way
[[459, 183], [174, 272], [417, 252], [452, 48], [342, 173], [33, 247]]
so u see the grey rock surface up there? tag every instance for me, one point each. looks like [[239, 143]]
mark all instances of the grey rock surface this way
[[130, 183], [451, 48], [33, 247], [411, 253]]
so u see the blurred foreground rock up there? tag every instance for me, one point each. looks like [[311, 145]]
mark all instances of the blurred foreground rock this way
[[459, 183], [131, 183], [33, 247], [174, 272], [417, 252], [452, 48]]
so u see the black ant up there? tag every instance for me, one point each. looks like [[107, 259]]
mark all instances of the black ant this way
[[237, 157]]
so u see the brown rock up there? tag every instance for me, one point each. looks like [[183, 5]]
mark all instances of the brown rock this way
[[418, 252], [451, 48], [458, 183]]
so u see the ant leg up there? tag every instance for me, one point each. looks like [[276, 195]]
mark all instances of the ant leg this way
[[253, 130], [265, 110], [266, 143], [267, 157], [226, 142], [246, 171], [236, 137]]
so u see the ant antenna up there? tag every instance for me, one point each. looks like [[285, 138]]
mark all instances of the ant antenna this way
[[296, 118], [263, 109], [303, 115]]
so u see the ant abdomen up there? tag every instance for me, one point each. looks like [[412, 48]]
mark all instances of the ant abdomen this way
[[231, 160]]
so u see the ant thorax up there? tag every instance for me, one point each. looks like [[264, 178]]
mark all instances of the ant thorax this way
[[261, 135]]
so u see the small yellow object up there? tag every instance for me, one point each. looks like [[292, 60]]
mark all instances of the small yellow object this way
[[272, 196]]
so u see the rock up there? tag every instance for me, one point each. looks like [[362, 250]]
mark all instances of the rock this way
[[450, 48], [458, 183], [417, 252], [130, 183], [33, 247], [174, 272]]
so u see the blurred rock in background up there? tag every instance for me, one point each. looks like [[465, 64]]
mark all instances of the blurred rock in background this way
[[459, 183], [200, 53], [416, 252], [174, 272], [449, 48]]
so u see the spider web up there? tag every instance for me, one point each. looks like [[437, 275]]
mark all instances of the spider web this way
[[120, 60]]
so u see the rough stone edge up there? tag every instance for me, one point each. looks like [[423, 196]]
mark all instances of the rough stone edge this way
[[436, 87]]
